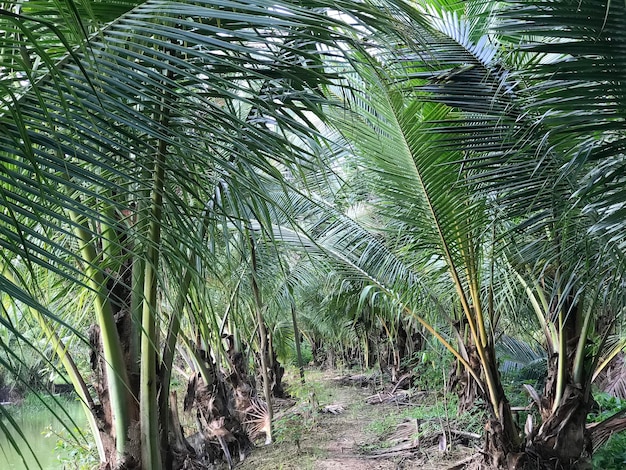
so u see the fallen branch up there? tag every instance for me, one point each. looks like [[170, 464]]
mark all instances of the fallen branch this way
[[402, 379], [469, 435], [361, 380]]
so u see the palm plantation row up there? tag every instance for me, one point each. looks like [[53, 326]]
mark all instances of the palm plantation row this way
[[195, 183]]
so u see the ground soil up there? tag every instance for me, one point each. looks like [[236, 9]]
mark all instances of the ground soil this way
[[345, 441]]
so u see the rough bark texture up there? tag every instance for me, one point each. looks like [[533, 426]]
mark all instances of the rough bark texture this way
[[221, 424], [277, 373], [103, 406], [561, 442], [462, 382]]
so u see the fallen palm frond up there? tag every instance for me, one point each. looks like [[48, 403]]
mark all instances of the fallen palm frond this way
[[408, 430], [410, 437], [602, 431], [283, 403], [333, 409], [360, 380], [612, 379], [258, 421], [402, 397], [403, 448]]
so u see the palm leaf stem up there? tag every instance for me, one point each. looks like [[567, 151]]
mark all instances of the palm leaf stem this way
[[111, 248], [446, 345], [116, 375], [296, 337], [138, 272], [151, 456], [475, 322], [494, 316], [174, 330], [473, 277], [76, 379], [549, 334], [606, 360], [562, 359], [579, 358], [149, 423], [198, 360], [231, 303]]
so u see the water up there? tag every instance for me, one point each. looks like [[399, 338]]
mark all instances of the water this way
[[45, 434]]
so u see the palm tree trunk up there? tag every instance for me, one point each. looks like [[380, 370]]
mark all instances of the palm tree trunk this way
[[149, 419]]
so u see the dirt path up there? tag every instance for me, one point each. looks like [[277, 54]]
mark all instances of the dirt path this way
[[338, 442], [348, 433]]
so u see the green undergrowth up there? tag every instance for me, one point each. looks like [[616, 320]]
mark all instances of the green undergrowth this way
[[73, 454], [299, 441], [291, 426], [314, 386], [300, 432], [435, 414], [612, 455]]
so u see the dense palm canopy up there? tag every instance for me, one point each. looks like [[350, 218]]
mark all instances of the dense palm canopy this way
[[191, 169]]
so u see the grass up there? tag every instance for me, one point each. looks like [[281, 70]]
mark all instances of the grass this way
[[433, 416], [314, 386]]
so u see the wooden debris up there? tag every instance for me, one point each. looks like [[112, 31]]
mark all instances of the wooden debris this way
[[333, 409], [409, 438], [442, 444], [404, 448], [461, 464], [402, 397], [360, 380], [407, 430], [468, 435], [400, 381]]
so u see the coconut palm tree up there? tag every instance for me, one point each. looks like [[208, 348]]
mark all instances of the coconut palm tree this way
[[472, 142], [120, 128]]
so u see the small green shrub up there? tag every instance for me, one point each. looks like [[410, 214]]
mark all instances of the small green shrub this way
[[289, 428], [612, 455], [384, 425], [431, 368], [311, 389], [74, 455]]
